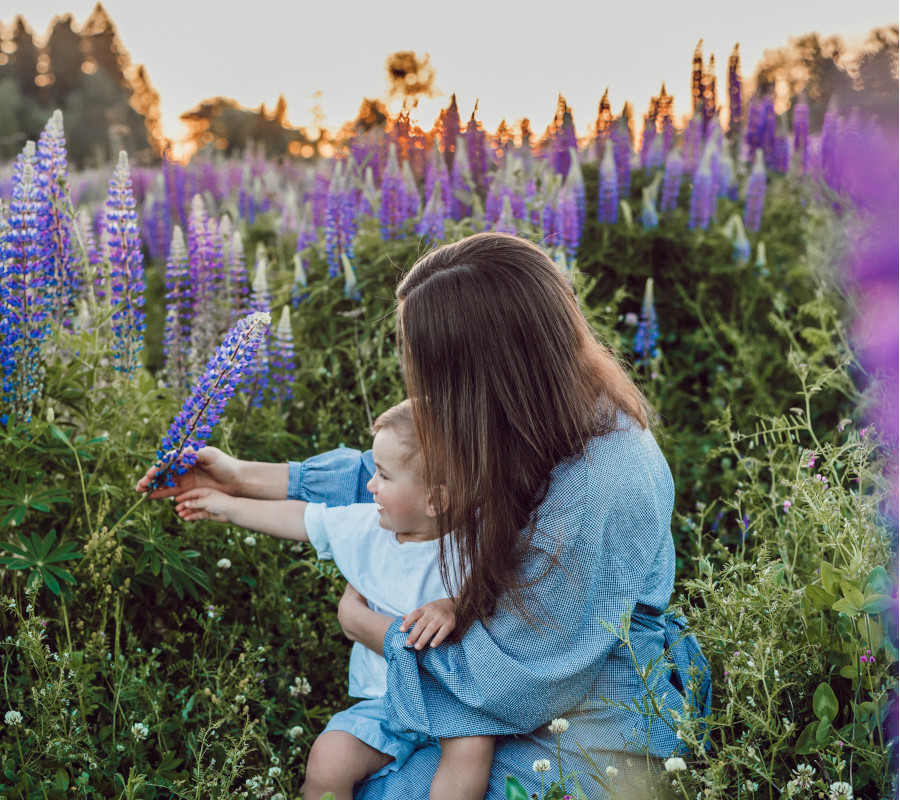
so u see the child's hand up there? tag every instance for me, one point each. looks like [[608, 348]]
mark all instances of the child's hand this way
[[434, 621], [204, 503]]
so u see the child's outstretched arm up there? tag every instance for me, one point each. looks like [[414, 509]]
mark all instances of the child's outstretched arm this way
[[434, 621], [281, 518]]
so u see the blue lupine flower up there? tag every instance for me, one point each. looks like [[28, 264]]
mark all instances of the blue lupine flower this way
[[648, 331], [25, 282], [51, 159], [431, 224], [283, 360], [671, 181], [575, 180], [177, 331], [702, 196], [205, 405], [567, 214], [756, 193], [608, 205], [126, 275], [393, 210]]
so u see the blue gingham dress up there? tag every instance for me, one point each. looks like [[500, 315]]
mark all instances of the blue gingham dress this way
[[607, 517]]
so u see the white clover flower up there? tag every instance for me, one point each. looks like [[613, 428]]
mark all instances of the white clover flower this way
[[223, 563], [274, 772], [250, 541], [840, 791], [804, 776], [541, 765], [295, 733], [12, 718], [277, 796], [240, 699], [301, 687], [611, 771], [751, 786], [674, 764], [559, 725], [140, 731]]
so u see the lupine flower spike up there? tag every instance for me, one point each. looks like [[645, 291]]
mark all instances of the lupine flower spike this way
[[756, 192], [283, 364], [177, 332], [126, 273], [204, 407], [24, 300], [648, 330], [608, 205]]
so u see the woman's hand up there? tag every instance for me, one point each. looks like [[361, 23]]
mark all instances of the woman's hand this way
[[205, 503], [434, 621], [360, 623], [213, 470]]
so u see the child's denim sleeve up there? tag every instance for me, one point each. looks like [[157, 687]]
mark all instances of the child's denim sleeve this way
[[335, 478]]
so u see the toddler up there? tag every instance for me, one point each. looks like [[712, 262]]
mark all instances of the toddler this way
[[388, 550]]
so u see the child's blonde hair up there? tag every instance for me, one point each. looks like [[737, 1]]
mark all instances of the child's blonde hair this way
[[399, 420]]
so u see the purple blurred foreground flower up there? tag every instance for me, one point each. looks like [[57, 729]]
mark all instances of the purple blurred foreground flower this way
[[756, 193], [204, 407]]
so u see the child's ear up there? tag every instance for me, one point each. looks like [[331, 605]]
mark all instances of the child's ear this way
[[430, 507]]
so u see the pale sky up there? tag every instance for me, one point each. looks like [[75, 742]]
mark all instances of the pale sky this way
[[514, 57]]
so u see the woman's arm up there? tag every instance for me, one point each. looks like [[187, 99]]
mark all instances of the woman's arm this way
[[360, 623]]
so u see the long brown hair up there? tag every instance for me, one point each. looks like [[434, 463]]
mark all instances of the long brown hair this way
[[506, 381]]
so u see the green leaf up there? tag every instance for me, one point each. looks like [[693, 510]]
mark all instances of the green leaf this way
[[819, 597], [823, 730], [61, 780], [825, 704], [846, 607], [876, 603], [514, 789], [807, 741], [850, 671], [830, 577], [327, 796], [58, 433], [852, 593], [50, 581], [878, 581]]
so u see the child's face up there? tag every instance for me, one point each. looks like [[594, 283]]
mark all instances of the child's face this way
[[399, 491]]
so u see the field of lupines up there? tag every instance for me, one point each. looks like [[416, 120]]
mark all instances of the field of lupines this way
[[248, 303]]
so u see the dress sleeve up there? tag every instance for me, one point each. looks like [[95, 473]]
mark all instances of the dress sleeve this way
[[335, 478], [511, 675]]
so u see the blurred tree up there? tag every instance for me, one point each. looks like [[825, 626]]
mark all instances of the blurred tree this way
[[64, 49], [410, 76], [21, 58]]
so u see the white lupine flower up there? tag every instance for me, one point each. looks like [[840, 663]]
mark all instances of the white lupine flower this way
[[295, 733], [12, 718], [559, 725], [223, 563], [140, 731], [541, 765], [611, 771], [840, 791], [674, 764]]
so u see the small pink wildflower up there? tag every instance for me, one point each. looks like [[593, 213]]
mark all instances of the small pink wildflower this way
[[812, 460], [787, 505], [821, 479]]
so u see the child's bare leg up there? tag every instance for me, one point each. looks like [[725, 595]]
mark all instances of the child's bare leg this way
[[337, 762], [464, 770]]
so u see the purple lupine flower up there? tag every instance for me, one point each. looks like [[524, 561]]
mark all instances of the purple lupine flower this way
[[564, 142], [393, 209], [734, 92], [25, 280], [431, 224], [756, 193], [154, 226], [768, 131], [368, 197], [648, 329], [671, 182], [284, 364], [551, 224], [450, 130], [51, 160], [461, 182], [693, 143], [340, 224], [436, 172], [621, 146], [567, 214], [206, 281], [205, 405], [321, 182], [177, 331], [801, 134], [648, 139], [702, 196], [411, 190], [122, 236], [608, 202], [649, 215], [781, 155], [755, 123], [575, 180]]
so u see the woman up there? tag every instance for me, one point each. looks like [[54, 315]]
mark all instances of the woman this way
[[560, 504]]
